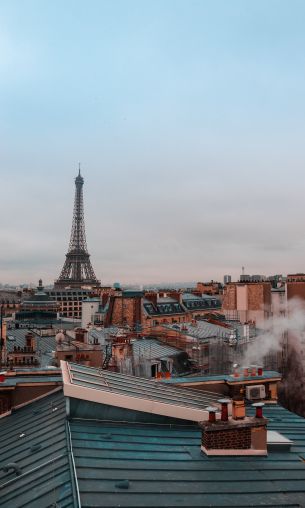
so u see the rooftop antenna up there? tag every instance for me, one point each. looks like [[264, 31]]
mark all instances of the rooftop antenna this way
[[243, 270]]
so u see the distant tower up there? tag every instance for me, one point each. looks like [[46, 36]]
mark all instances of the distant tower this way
[[77, 270]]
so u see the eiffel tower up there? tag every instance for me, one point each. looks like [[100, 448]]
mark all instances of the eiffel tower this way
[[77, 270]]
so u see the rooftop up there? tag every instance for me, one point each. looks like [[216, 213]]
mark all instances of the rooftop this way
[[164, 305], [140, 465], [44, 345], [131, 293], [39, 297], [227, 378], [134, 393], [11, 381], [156, 466], [34, 438], [153, 349], [205, 330], [70, 344]]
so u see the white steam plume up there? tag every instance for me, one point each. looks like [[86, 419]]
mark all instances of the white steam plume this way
[[284, 333]]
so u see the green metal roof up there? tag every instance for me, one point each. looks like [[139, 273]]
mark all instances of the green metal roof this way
[[157, 466], [34, 437], [140, 465]]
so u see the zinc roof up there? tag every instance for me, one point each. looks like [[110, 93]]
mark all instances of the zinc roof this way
[[44, 345], [191, 297], [34, 437], [133, 387], [204, 330], [152, 349], [141, 465], [156, 466]]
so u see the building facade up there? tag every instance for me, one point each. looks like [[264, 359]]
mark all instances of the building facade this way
[[247, 301]]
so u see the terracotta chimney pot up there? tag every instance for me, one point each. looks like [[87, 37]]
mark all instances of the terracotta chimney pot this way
[[224, 409]]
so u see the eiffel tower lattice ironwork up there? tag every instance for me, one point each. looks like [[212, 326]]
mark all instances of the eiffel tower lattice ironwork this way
[[77, 270]]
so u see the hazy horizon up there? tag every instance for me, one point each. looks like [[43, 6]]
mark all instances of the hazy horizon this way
[[188, 118]]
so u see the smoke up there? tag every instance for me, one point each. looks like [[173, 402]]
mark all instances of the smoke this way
[[280, 345], [286, 327]]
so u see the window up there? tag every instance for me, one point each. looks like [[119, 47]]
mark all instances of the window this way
[[154, 370]]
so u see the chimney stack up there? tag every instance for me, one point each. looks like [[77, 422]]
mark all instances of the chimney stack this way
[[234, 436]]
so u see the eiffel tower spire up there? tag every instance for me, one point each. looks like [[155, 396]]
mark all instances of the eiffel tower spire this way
[[77, 270]]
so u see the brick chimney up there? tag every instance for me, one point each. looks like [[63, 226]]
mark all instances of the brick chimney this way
[[229, 436]]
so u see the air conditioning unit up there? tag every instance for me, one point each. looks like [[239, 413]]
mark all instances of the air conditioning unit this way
[[255, 392]]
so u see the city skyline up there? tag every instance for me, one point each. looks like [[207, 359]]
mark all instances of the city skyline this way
[[188, 120]]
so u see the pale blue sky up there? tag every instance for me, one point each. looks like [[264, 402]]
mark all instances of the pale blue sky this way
[[188, 118]]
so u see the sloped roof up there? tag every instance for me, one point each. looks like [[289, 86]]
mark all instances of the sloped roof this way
[[153, 349], [192, 297], [205, 330], [44, 344], [34, 437], [140, 465], [164, 306], [156, 466], [135, 393]]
